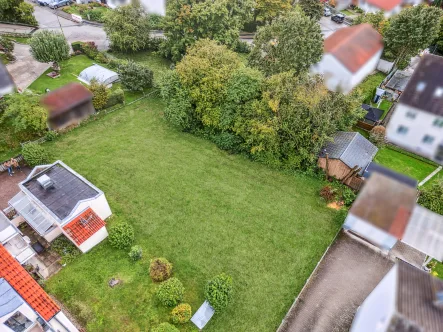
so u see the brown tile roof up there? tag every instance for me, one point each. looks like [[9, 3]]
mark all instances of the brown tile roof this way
[[26, 286], [421, 90], [84, 226], [65, 98], [385, 203], [354, 46], [386, 5], [416, 292]]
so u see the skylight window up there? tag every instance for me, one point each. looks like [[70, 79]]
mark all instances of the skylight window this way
[[420, 86]]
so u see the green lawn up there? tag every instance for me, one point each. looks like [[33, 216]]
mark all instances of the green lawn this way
[[22, 40], [205, 210], [347, 12]]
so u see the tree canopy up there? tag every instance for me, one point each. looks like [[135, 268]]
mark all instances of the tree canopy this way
[[17, 11], [189, 20], [312, 8], [49, 46], [128, 28], [291, 42], [377, 20], [267, 10], [411, 30]]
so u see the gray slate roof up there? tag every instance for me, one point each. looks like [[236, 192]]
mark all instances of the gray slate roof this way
[[399, 80], [68, 190], [416, 291], [9, 299], [351, 148]]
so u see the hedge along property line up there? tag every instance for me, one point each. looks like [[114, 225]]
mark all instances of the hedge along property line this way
[[411, 154]]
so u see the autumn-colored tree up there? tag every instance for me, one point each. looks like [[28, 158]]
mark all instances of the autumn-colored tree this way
[[267, 10], [312, 8], [377, 20]]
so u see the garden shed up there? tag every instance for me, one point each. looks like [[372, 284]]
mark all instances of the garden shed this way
[[99, 73]]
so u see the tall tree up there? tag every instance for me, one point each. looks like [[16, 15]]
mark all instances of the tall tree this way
[[189, 20], [377, 20], [17, 11], [312, 8], [49, 46], [267, 10], [291, 42], [128, 28], [414, 28]]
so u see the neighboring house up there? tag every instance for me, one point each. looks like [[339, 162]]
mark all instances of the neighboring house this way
[[6, 82], [101, 74], [417, 123], [56, 200], [389, 7], [407, 299], [24, 305], [348, 152], [386, 212], [152, 6], [350, 54], [68, 105], [397, 83]]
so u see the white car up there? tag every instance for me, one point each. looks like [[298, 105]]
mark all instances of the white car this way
[[327, 12]]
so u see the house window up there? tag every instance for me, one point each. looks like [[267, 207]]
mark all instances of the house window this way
[[411, 115], [438, 123], [402, 130], [427, 139], [420, 86], [438, 93], [18, 322]]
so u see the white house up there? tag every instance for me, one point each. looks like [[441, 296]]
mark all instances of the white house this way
[[151, 6], [389, 7], [56, 200], [350, 54], [24, 305], [407, 299], [417, 123]]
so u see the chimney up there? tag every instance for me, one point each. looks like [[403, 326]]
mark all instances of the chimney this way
[[45, 182]]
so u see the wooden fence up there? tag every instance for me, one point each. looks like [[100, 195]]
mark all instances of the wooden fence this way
[[365, 126]]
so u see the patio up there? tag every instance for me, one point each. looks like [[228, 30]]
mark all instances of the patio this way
[[9, 185]]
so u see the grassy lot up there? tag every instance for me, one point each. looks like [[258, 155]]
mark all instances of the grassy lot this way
[[203, 209], [21, 40], [155, 62]]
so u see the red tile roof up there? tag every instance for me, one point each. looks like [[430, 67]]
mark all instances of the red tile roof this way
[[354, 46], [26, 286], [66, 98], [84, 226], [386, 5], [400, 222]]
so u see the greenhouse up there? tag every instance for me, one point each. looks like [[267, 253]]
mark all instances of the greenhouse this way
[[101, 74]]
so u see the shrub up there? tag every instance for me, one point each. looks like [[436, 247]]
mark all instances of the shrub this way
[[227, 141], [154, 43], [51, 135], [135, 76], [6, 44], [218, 291], [94, 15], [242, 47], [121, 236], [49, 46], [328, 193], [35, 154], [432, 197], [77, 46], [90, 49], [135, 253], [101, 58], [165, 327], [100, 94], [65, 249], [160, 269], [181, 314], [349, 196], [116, 97], [156, 21], [377, 136], [170, 292]]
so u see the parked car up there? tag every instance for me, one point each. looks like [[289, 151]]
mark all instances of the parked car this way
[[327, 12], [338, 18], [43, 2], [59, 3]]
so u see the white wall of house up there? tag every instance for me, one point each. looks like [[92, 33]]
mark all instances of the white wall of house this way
[[366, 69], [93, 240], [25, 309], [369, 8], [418, 124], [61, 323], [99, 205], [52, 235], [371, 233], [376, 311]]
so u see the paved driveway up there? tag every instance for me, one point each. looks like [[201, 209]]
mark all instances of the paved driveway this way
[[345, 277], [328, 26]]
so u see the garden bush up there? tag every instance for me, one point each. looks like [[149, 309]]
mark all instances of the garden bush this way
[[227, 141], [218, 291], [90, 49], [116, 97], [432, 197], [101, 58], [328, 193], [6, 44], [100, 95], [377, 136], [51, 135], [135, 253], [165, 327], [65, 249], [121, 235], [77, 46], [181, 314], [35, 154], [135, 76], [170, 292], [160, 269], [154, 43]]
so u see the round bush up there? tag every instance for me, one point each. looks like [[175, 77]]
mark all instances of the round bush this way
[[165, 327], [218, 291], [51, 135], [170, 292], [135, 253], [181, 314], [121, 235], [35, 154], [160, 269]]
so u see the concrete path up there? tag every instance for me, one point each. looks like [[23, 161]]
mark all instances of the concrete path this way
[[430, 176], [25, 70]]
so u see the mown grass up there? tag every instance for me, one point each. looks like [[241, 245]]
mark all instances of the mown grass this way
[[205, 210]]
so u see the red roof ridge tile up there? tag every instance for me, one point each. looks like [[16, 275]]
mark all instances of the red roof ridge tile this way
[[84, 226]]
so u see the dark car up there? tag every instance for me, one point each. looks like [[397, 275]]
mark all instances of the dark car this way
[[338, 18], [59, 3]]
